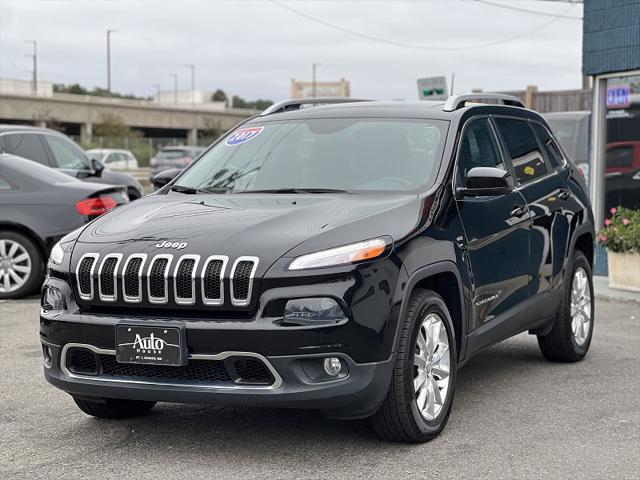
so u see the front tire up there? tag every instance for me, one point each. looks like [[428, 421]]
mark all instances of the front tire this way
[[420, 396], [114, 408], [570, 336]]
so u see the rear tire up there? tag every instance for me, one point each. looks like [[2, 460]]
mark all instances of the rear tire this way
[[21, 265], [570, 336], [114, 408], [401, 418]]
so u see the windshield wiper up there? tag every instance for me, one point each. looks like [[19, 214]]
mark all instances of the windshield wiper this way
[[296, 190], [193, 191], [183, 189]]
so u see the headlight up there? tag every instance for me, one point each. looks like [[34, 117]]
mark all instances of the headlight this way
[[356, 252], [52, 299], [57, 254]]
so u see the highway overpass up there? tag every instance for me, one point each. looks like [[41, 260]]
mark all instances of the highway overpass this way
[[78, 114]]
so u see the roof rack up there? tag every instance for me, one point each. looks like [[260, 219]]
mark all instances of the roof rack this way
[[288, 105], [454, 102]]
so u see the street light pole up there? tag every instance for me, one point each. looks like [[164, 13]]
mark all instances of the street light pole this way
[[35, 65], [313, 79], [175, 87], [109, 32], [193, 82]]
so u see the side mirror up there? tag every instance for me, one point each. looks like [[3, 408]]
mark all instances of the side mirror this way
[[97, 167], [485, 181], [165, 177]]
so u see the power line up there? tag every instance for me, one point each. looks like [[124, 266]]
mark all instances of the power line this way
[[416, 46], [526, 10]]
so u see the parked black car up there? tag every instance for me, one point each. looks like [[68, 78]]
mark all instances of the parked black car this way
[[58, 151], [346, 258], [38, 206]]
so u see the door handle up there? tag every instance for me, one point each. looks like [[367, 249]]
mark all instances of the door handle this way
[[564, 194], [519, 210]]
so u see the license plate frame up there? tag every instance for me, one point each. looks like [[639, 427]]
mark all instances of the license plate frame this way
[[151, 344]]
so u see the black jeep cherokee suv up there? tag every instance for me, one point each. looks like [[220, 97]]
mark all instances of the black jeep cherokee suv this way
[[347, 258]]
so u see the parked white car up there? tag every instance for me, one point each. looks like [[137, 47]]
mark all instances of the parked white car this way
[[114, 159]]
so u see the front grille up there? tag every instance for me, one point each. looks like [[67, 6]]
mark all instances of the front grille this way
[[85, 276], [236, 370], [164, 280], [157, 279]]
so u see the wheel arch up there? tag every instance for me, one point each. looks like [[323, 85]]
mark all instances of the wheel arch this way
[[583, 240], [16, 227], [440, 277]]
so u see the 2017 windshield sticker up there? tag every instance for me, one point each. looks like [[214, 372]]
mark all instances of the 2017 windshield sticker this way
[[243, 135]]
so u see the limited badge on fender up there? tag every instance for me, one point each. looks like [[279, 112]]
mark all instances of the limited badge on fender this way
[[243, 135]]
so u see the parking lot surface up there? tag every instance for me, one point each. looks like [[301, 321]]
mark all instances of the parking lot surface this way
[[514, 416]]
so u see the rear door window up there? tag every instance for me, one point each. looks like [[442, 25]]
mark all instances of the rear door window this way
[[522, 146], [549, 145], [26, 145]]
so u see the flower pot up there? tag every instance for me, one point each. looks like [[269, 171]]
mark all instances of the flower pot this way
[[624, 271]]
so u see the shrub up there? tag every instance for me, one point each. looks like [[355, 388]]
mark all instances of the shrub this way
[[621, 232]]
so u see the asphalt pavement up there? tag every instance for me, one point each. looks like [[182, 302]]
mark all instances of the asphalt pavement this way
[[514, 416]]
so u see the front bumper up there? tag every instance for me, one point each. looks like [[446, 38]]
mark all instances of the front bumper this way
[[356, 394]]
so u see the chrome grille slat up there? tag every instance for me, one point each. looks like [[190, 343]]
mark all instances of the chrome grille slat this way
[[212, 279], [157, 278], [184, 279], [116, 277], [84, 275], [108, 277], [132, 278], [241, 284]]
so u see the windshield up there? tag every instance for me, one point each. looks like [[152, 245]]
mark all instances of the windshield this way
[[322, 154]]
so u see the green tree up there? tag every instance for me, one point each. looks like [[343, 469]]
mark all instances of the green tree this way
[[219, 96]]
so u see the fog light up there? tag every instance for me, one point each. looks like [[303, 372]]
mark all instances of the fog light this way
[[52, 299], [47, 356], [332, 366]]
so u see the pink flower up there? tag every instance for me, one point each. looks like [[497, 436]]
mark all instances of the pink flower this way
[[613, 210], [625, 221], [603, 238], [607, 222]]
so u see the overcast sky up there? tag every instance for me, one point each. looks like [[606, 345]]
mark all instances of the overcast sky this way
[[253, 48]]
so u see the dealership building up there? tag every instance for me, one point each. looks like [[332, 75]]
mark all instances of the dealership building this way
[[611, 56]]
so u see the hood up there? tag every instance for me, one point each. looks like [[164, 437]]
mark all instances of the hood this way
[[267, 226]]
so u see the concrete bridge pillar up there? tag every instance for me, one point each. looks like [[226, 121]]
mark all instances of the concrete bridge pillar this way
[[192, 137], [86, 132]]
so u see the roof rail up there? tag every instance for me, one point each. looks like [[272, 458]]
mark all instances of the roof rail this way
[[455, 102], [287, 105]]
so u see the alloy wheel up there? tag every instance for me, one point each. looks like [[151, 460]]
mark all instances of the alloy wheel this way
[[431, 366], [580, 306], [15, 265]]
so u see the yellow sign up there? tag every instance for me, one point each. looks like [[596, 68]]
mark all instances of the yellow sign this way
[[529, 170]]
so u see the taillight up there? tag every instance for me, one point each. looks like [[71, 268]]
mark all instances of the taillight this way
[[185, 160], [96, 206]]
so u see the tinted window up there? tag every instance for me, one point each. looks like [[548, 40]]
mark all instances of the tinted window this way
[[620, 157], [353, 154], [478, 148], [549, 146], [66, 154], [26, 145], [4, 185], [526, 157]]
